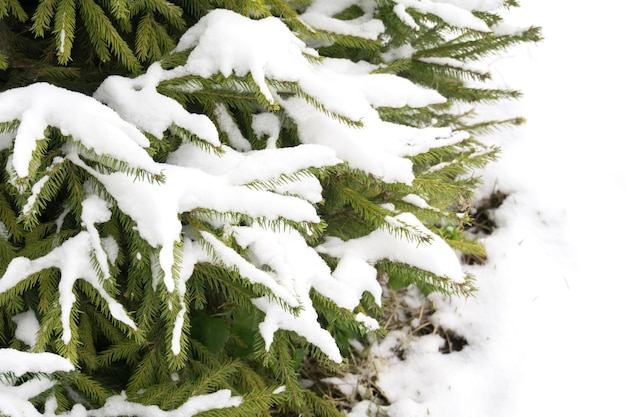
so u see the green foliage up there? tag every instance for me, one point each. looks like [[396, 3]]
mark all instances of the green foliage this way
[[77, 44]]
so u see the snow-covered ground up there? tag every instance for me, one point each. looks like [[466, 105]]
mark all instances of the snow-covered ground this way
[[545, 330], [567, 289]]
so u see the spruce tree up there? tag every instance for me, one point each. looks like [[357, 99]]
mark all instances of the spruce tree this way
[[199, 196]]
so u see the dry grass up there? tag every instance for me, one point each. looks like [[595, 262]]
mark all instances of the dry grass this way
[[405, 311]]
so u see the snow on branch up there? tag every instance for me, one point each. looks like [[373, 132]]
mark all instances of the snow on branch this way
[[452, 14], [74, 259], [378, 148], [14, 401], [119, 406], [320, 16], [434, 256], [229, 43], [155, 208], [298, 268], [332, 91], [138, 102], [241, 168], [18, 363], [98, 130]]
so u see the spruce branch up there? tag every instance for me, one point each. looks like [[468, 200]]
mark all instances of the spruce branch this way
[[255, 277]]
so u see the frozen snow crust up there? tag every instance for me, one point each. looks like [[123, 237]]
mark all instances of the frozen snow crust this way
[[167, 193]]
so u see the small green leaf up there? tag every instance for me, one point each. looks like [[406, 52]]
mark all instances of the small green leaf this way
[[298, 356], [211, 331]]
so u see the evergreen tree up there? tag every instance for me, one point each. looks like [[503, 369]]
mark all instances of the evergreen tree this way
[[199, 196]]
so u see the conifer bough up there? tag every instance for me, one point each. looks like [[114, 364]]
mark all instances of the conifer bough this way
[[199, 196]]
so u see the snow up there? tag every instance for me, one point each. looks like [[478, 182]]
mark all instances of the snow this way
[[6, 140], [449, 13], [455, 63], [318, 16], [418, 201], [228, 126], [267, 124], [279, 390], [138, 102], [27, 327], [229, 43], [14, 400], [573, 300], [407, 19], [19, 363], [305, 324], [73, 259], [96, 210], [377, 90], [94, 125], [117, 405], [191, 256], [229, 258], [156, 207], [432, 255], [377, 148], [36, 189], [110, 246], [357, 275], [236, 168], [298, 268], [479, 5], [370, 323]]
